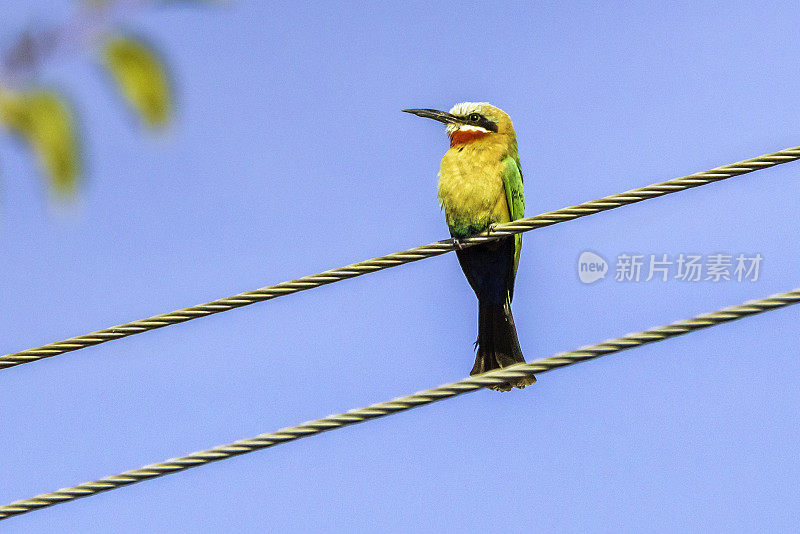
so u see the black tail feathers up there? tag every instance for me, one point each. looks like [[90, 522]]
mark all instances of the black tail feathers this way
[[497, 343]]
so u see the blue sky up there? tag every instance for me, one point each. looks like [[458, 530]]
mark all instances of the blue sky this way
[[290, 155]]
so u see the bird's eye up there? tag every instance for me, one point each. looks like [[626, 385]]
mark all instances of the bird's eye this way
[[474, 117]]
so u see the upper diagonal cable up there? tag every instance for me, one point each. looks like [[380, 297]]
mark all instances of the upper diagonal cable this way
[[399, 258]]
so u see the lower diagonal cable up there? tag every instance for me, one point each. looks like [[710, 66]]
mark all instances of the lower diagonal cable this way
[[400, 404]]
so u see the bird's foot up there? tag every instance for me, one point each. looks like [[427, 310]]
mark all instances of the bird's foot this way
[[457, 243], [491, 228]]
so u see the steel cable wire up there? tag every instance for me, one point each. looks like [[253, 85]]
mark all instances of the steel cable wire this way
[[398, 258], [400, 404]]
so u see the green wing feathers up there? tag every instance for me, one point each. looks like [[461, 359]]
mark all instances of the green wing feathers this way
[[515, 197]]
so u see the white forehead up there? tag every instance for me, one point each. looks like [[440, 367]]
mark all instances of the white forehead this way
[[465, 108]]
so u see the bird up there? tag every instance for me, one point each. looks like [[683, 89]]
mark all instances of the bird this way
[[480, 185]]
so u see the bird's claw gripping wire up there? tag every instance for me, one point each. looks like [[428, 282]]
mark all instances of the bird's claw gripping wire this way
[[457, 243]]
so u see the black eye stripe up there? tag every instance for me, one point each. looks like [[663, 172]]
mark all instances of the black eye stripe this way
[[481, 121]]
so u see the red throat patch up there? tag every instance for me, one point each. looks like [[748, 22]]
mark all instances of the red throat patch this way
[[462, 137]]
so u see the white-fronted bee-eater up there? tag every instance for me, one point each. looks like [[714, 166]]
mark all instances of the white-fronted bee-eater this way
[[480, 184]]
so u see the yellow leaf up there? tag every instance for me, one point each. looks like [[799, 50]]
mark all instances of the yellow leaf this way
[[141, 77], [45, 121]]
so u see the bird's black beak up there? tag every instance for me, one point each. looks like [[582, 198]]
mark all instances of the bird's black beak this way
[[441, 116]]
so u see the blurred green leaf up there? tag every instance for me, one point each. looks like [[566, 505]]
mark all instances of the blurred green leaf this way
[[142, 79], [45, 121]]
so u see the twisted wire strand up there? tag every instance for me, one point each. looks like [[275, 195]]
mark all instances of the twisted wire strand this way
[[400, 404], [399, 258]]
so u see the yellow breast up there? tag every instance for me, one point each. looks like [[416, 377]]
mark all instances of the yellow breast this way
[[471, 189]]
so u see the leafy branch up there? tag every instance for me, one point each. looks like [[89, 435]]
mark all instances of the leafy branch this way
[[44, 119]]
